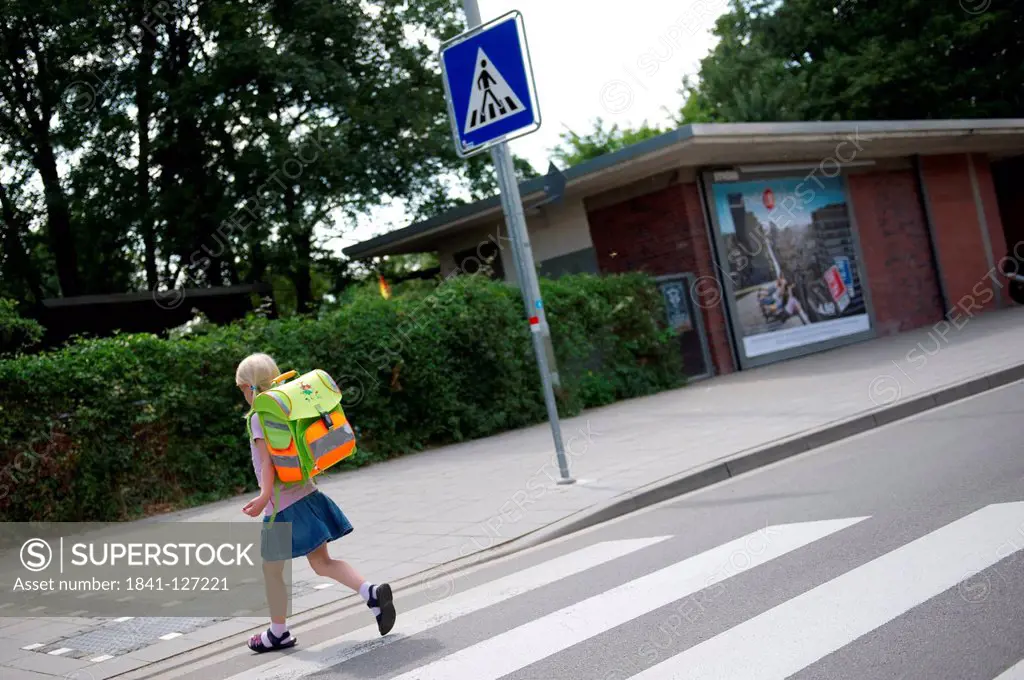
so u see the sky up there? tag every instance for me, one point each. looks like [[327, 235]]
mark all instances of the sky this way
[[794, 199], [621, 62]]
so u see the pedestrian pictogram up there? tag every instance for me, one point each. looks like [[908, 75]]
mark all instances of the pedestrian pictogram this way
[[492, 98], [489, 85]]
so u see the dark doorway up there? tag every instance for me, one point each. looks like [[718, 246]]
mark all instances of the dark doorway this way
[[1008, 179], [684, 317], [484, 259]]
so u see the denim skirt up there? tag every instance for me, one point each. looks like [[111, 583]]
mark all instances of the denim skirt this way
[[303, 527]]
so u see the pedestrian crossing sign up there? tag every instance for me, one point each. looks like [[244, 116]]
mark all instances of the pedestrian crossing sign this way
[[489, 85]]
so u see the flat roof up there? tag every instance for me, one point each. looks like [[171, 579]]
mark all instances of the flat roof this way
[[728, 142], [148, 296]]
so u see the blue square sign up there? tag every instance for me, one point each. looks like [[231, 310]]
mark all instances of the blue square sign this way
[[489, 85]]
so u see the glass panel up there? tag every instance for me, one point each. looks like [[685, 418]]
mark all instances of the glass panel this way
[[789, 248]]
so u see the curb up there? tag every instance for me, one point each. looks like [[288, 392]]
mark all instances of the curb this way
[[752, 459], [670, 487]]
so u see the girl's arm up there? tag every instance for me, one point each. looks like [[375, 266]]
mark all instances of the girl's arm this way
[[267, 475]]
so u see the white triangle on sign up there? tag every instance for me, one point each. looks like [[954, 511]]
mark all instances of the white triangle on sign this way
[[492, 98]]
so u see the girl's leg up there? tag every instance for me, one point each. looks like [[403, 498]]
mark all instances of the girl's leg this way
[[277, 594], [277, 637], [378, 598], [339, 570]]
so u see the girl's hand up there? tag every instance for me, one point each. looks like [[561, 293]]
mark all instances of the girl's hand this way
[[256, 505]]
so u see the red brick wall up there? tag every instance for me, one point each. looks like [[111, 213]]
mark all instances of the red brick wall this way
[[663, 232], [897, 256], [997, 233], [708, 289], [986, 186], [647, 233], [958, 237]]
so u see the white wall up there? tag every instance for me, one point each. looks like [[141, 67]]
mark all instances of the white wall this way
[[473, 238], [559, 230], [556, 230]]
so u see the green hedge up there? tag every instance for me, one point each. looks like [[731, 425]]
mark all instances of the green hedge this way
[[16, 332], [116, 428]]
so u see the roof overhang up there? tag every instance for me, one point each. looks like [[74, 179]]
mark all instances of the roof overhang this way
[[705, 145]]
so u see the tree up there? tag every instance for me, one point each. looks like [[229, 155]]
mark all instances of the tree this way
[[856, 60], [38, 45], [483, 178], [159, 143], [695, 108], [19, 269], [575, 149]]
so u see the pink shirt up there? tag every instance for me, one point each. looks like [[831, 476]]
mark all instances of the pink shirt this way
[[288, 494]]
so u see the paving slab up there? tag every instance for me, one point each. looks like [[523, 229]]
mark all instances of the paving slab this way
[[47, 664], [21, 674], [165, 649], [112, 668]]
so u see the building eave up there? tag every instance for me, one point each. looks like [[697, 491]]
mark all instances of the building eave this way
[[697, 135]]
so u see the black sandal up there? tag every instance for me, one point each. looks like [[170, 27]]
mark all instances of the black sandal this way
[[383, 598], [276, 643]]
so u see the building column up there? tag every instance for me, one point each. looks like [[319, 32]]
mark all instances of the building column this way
[[967, 232]]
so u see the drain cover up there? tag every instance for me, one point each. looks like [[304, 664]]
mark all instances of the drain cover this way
[[120, 637]]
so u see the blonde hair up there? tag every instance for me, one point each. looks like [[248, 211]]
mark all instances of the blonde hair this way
[[257, 370]]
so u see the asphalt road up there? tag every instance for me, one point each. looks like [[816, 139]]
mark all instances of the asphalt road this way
[[894, 554]]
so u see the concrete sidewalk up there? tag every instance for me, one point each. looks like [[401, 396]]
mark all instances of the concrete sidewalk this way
[[414, 514]]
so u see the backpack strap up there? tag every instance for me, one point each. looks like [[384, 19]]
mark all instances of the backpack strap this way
[[277, 501], [304, 466]]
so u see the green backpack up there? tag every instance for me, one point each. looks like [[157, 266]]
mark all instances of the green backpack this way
[[304, 425]]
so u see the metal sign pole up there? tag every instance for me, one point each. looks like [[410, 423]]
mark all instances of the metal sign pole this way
[[515, 220]]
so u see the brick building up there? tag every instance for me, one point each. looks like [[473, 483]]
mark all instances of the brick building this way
[[786, 238]]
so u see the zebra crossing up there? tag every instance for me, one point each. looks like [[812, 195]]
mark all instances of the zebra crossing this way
[[779, 642]]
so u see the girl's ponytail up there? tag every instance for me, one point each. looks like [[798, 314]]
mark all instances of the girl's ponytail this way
[[257, 370]]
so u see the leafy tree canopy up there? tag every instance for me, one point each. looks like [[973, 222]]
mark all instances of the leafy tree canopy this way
[[865, 60], [793, 60], [163, 143], [576, 148]]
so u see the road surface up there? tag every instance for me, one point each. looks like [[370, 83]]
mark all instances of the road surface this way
[[894, 554]]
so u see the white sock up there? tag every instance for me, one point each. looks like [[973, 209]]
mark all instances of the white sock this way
[[364, 591], [278, 629]]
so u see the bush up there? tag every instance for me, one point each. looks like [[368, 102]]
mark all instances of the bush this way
[[16, 333], [115, 428]]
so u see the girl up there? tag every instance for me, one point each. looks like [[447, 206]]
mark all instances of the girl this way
[[314, 518]]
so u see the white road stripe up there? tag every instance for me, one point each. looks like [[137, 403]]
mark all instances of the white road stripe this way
[[797, 633], [540, 638], [59, 652], [356, 643], [101, 659], [1015, 672]]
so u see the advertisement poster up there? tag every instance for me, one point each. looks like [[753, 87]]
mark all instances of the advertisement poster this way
[[792, 261], [674, 293]]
